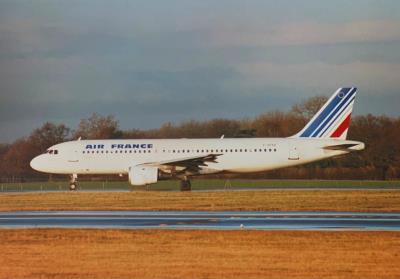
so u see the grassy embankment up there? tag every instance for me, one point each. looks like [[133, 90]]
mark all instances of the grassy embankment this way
[[71, 253], [57, 253], [269, 200]]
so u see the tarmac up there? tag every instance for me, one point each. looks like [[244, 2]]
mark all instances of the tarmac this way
[[201, 220]]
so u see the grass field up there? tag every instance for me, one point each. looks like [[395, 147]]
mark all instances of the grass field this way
[[262, 200], [74, 253], [200, 184], [57, 253]]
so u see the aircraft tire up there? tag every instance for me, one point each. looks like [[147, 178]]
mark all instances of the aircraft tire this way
[[186, 185], [73, 186]]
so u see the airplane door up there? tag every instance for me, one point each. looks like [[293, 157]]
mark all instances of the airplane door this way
[[73, 156], [74, 162], [293, 153]]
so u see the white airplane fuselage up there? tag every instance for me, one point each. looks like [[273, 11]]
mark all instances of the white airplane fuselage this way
[[236, 155], [145, 161]]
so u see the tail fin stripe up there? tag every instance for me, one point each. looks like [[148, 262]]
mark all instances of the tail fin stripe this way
[[337, 116], [342, 127], [332, 104], [338, 111]]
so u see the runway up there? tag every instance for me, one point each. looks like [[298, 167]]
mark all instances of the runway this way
[[202, 220]]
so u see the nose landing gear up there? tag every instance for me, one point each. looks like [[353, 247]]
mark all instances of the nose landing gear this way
[[185, 184], [73, 183]]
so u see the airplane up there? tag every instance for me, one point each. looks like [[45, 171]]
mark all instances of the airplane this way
[[146, 161]]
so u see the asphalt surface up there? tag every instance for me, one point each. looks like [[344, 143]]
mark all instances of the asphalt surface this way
[[202, 220]]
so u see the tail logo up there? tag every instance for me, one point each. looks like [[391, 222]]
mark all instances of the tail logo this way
[[333, 119]]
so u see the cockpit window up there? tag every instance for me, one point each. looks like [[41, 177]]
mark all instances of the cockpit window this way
[[51, 151]]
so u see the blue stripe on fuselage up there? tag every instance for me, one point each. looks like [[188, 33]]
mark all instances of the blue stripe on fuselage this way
[[314, 125], [326, 121]]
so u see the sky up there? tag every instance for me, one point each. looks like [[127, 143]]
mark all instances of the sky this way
[[150, 62]]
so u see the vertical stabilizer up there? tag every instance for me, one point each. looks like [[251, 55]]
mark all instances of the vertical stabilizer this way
[[333, 119]]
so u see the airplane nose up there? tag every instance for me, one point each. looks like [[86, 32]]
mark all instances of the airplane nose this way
[[35, 163]]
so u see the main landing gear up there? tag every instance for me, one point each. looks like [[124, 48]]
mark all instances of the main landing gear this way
[[73, 183], [185, 184]]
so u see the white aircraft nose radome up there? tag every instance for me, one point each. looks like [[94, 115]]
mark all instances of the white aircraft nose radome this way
[[36, 163]]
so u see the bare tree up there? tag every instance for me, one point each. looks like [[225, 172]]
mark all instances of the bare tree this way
[[48, 135], [309, 107], [98, 127]]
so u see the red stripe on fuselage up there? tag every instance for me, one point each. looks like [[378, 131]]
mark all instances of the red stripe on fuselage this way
[[342, 127]]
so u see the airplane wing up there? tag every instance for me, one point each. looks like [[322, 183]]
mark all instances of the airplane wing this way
[[192, 164]]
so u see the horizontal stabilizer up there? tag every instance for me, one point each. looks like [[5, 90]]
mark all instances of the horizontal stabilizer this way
[[356, 146]]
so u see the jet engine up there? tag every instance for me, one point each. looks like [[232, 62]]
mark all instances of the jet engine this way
[[143, 175]]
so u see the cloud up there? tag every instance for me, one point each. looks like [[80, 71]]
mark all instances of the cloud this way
[[149, 62], [305, 33], [372, 77]]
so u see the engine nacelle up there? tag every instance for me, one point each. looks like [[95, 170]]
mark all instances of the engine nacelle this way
[[143, 175]]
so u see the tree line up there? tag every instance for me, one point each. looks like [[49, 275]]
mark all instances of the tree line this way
[[380, 159]]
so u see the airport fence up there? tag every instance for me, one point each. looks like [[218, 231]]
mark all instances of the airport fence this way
[[197, 184]]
